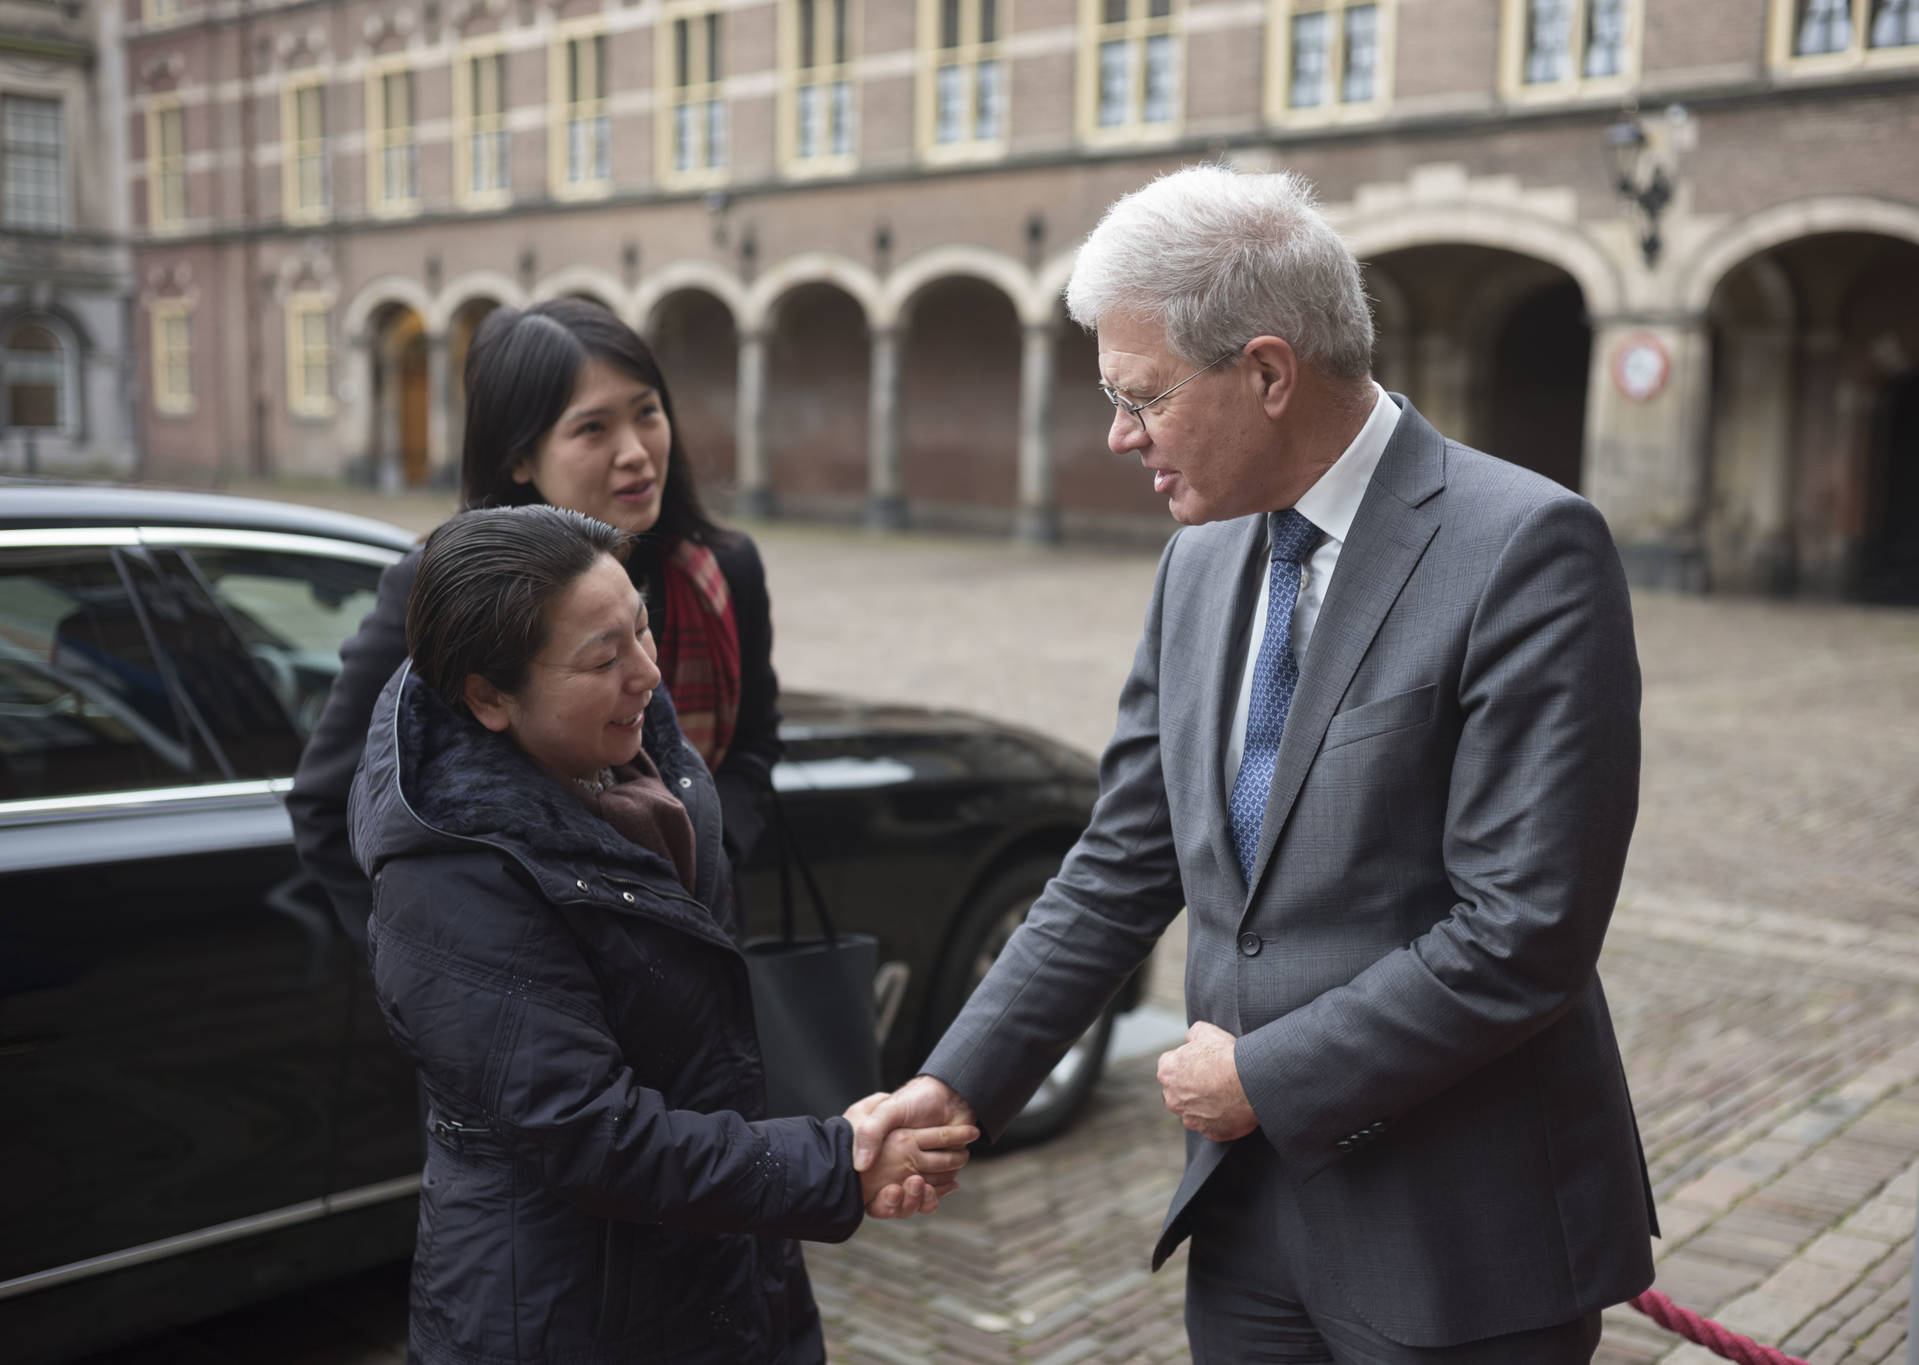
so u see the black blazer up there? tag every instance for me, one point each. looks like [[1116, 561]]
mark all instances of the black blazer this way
[[318, 800]]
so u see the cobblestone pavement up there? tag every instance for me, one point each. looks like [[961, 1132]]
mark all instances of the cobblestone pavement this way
[[1763, 969]]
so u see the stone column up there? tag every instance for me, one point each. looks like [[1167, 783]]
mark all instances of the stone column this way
[[751, 473], [360, 411], [442, 459], [388, 447], [1648, 397], [1749, 530], [885, 502], [1037, 520]]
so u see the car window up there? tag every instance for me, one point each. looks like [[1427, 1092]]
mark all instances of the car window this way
[[84, 706], [224, 692], [292, 612]]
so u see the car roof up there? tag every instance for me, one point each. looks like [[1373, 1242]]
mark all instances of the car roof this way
[[25, 504]]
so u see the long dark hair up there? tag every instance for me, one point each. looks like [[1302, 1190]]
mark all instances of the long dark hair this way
[[486, 580], [521, 371]]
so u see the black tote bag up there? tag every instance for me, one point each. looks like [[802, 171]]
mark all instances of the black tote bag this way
[[813, 1003]]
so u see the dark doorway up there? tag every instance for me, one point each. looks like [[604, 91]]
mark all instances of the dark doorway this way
[[1536, 413], [1889, 559], [959, 420], [699, 352], [816, 399]]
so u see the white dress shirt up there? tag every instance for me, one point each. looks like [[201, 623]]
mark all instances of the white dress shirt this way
[[1330, 504]]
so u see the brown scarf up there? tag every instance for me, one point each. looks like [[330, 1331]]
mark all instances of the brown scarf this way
[[641, 808]]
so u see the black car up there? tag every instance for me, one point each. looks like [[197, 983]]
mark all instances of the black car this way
[[201, 1105]]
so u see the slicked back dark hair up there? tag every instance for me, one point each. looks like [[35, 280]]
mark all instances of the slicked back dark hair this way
[[521, 371], [486, 581]]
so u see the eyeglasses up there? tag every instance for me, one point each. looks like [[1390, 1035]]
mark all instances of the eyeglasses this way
[[1137, 411]]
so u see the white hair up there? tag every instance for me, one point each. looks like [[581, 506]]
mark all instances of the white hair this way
[[1216, 257]]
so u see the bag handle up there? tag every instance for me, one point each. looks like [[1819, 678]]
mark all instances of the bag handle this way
[[791, 854]]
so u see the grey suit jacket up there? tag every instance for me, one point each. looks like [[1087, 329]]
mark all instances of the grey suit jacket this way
[[1412, 975]]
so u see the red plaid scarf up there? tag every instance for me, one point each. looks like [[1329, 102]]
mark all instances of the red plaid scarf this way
[[700, 649]]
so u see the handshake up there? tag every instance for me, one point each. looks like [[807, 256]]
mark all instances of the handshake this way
[[909, 1146]]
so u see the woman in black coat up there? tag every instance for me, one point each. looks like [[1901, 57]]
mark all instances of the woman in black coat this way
[[567, 406], [547, 947]]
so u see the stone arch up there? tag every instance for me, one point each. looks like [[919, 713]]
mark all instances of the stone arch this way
[[961, 346], [944, 262], [813, 267], [685, 274], [64, 318], [377, 294], [1492, 344], [582, 281], [1502, 226], [1723, 253], [68, 349], [819, 372], [476, 284], [695, 338]]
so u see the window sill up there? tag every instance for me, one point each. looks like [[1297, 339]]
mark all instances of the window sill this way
[[961, 153], [818, 167], [1130, 135]]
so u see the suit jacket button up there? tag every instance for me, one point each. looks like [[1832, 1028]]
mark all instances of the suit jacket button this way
[[1249, 944], [1344, 1144]]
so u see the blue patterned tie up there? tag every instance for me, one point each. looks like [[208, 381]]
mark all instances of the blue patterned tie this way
[[1275, 675]]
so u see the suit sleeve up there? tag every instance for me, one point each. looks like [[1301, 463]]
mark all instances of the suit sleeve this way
[[537, 1057], [745, 776], [1540, 808], [1093, 925], [318, 801]]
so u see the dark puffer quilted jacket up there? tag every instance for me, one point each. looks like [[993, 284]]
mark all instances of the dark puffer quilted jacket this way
[[598, 1186]]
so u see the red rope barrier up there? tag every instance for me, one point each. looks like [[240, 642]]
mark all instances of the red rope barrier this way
[[1705, 1332]]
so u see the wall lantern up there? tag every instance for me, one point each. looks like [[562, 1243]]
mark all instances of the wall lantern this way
[[1640, 173]]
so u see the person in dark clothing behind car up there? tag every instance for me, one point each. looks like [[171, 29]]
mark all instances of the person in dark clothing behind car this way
[[567, 406], [543, 845]]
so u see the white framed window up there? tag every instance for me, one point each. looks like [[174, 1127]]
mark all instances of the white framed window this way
[[1329, 61], [693, 135], [581, 145], [1816, 37], [303, 149], [963, 79], [482, 168], [172, 356], [157, 12], [39, 380], [392, 142], [309, 355], [816, 89], [1132, 63], [166, 166], [1561, 49], [33, 163]]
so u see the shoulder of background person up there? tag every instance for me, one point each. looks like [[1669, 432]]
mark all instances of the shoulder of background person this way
[[740, 564]]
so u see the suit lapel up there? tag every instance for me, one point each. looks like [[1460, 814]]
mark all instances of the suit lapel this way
[[1388, 536], [1226, 656]]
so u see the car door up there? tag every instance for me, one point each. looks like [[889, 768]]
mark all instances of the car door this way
[[292, 601], [173, 1008]]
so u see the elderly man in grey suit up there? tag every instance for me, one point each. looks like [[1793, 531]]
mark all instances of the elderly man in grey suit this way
[[1381, 740]]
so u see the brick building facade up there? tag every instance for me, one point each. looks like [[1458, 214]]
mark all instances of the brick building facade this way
[[846, 224], [66, 297]]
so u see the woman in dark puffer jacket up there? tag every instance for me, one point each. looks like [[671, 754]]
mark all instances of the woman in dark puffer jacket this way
[[547, 945]]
